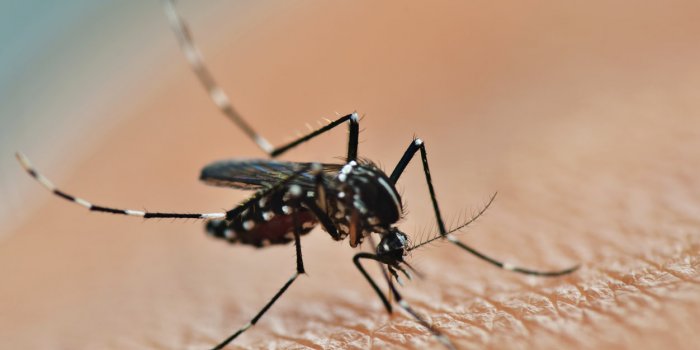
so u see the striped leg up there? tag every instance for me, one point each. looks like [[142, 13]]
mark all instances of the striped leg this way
[[27, 165], [223, 102], [194, 57], [418, 145], [300, 270]]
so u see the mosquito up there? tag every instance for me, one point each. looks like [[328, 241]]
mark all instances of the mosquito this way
[[352, 200]]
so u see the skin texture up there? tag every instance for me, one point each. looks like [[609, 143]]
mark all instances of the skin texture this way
[[585, 118]]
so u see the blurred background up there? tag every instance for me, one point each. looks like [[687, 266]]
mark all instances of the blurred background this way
[[63, 67], [584, 116]]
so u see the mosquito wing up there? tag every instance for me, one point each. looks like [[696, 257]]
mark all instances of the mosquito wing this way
[[256, 174]]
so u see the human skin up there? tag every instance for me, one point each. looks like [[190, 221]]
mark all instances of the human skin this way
[[585, 119]]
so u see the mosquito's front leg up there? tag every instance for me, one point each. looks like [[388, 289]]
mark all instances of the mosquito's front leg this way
[[418, 145], [399, 299]]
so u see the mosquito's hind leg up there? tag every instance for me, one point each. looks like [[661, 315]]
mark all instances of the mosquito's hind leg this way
[[27, 165], [228, 215], [223, 102]]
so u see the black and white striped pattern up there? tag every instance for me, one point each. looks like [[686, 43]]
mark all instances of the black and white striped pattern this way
[[27, 165], [223, 102], [216, 93]]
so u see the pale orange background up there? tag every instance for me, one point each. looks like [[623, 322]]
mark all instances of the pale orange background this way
[[585, 116]]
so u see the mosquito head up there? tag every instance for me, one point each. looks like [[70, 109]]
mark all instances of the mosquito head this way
[[392, 247]]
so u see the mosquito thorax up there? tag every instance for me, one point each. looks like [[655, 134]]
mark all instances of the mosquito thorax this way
[[363, 190]]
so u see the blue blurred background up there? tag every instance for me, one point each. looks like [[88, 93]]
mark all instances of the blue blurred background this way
[[63, 65]]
